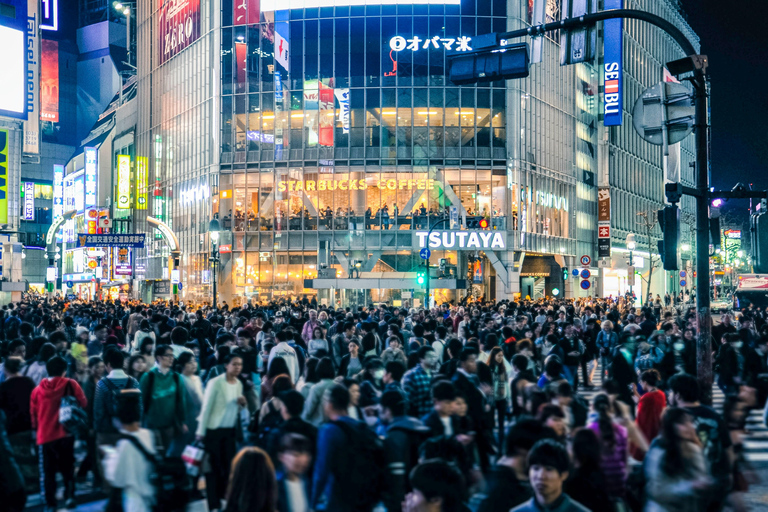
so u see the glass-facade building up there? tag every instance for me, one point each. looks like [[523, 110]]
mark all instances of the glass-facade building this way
[[325, 137]]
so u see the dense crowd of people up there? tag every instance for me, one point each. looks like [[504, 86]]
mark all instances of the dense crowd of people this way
[[299, 407]]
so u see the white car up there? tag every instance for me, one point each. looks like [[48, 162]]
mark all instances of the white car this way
[[721, 305]]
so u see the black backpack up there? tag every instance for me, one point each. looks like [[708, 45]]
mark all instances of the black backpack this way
[[363, 469], [269, 424], [115, 392], [168, 477]]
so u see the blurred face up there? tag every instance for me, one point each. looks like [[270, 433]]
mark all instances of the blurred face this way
[[546, 480], [416, 502], [234, 367], [557, 424], [499, 358], [190, 368], [295, 462], [139, 365], [460, 407], [430, 359], [353, 349], [394, 345], [165, 360], [445, 407], [354, 394], [98, 370]]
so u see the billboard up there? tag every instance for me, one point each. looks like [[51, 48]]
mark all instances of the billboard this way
[[179, 23], [29, 201], [49, 15], [4, 147], [13, 59], [142, 182], [49, 81], [58, 190], [91, 175], [613, 69], [604, 222], [123, 182], [32, 124], [122, 262]]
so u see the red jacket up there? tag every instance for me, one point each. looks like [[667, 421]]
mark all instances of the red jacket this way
[[45, 403]]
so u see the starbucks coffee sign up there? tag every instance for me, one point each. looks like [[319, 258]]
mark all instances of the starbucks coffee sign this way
[[460, 240]]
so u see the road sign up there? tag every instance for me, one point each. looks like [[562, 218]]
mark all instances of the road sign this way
[[70, 284], [603, 263], [682, 282], [576, 272], [682, 274], [585, 285], [585, 274], [664, 114], [180, 286], [425, 253], [71, 296], [586, 260]]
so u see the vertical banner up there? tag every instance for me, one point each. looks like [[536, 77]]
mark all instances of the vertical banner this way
[[49, 81], [240, 62], [122, 261], [29, 200], [604, 222], [4, 144], [123, 182], [282, 35], [49, 16], [325, 98], [32, 124], [58, 190], [142, 182], [613, 69], [91, 175], [342, 96], [246, 12]]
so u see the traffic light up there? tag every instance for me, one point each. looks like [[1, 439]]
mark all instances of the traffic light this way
[[478, 224], [759, 231], [669, 221], [484, 224], [420, 277], [580, 44], [565, 273], [511, 61]]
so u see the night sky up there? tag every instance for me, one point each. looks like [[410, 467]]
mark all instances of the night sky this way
[[734, 35]]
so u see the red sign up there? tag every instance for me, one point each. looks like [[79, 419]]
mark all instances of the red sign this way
[[325, 96], [179, 26], [225, 249], [604, 232], [246, 12], [49, 81]]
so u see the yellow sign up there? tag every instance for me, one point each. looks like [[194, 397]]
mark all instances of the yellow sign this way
[[331, 185], [4, 143], [123, 182], [142, 182]]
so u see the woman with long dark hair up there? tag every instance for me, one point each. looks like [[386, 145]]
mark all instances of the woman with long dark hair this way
[[586, 484], [675, 469], [252, 483], [501, 392], [613, 446]]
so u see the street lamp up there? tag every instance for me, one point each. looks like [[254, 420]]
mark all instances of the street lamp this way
[[124, 8], [686, 247], [631, 271], [213, 229]]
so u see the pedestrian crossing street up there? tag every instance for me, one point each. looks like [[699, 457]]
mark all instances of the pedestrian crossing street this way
[[755, 440]]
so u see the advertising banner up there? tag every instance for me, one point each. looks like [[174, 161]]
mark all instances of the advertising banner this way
[[49, 15], [613, 69], [342, 96], [123, 240], [91, 175], [32, 124], [281, 44], [604, 204], [49, 81], [142, 182], [13, 59], [29, 201], [603, 239], [122, 263], [4, 143], [325, 98], [179, 26], [246, 12], [123, 182], [58, 190]]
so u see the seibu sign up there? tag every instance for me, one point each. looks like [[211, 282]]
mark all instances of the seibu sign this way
[[482, 240]]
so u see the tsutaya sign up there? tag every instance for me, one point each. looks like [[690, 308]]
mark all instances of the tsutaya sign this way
[[481, 240], [354, 184]]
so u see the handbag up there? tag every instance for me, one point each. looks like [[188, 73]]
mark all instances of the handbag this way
[[71, 416], [193, 456]]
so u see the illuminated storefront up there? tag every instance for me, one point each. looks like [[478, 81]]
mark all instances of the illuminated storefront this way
[[339, 137]]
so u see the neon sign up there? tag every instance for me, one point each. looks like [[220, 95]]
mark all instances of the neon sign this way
[[399, 43]]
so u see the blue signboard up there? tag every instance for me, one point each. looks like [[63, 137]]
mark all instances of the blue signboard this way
[[129, 240], [585, 285], [576, 272], [613, 68], [425, 253]]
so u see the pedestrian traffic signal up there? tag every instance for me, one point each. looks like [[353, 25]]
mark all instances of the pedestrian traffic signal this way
[[420, 277], [565, 273], [669, 221], [578, 44], [504, 63]]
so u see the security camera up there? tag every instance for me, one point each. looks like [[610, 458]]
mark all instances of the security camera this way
[[740, 187]]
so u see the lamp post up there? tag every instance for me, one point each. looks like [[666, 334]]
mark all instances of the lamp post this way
[[213, 229], [631, 270], [125, 9]]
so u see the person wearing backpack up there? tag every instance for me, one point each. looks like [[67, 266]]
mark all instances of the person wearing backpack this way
[[127, 470], [164, 398], [107, 391], [404, 435], [349, 469], [57, 446]]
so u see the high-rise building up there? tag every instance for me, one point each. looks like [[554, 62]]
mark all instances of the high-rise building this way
[[327, 141], [635, 171]]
